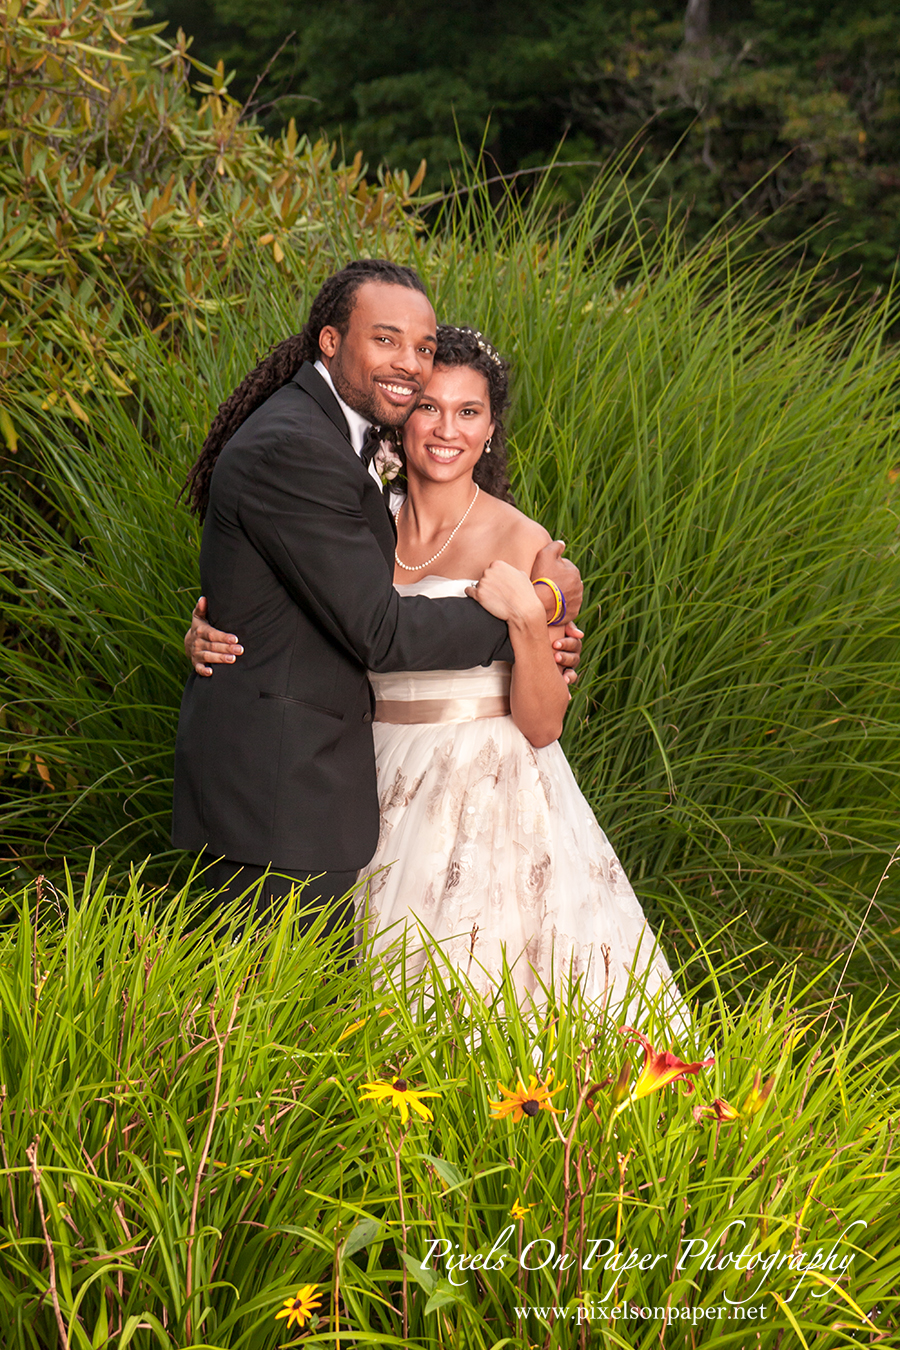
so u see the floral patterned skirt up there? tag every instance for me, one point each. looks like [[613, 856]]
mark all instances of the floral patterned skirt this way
[[487, 846]]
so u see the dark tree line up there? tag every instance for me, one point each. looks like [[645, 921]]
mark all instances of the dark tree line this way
[[790, 109]]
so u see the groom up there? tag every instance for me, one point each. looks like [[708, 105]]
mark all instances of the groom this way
[[274, 761]]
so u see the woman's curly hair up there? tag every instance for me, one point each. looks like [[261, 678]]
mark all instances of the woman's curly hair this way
[[467, 347], [331, 308]]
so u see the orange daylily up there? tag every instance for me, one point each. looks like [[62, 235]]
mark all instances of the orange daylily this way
[[757, 1097], [660, 1067], [620, 1086]]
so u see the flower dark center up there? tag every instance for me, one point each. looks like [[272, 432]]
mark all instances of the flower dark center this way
[[531, 1108], [400, 1084]]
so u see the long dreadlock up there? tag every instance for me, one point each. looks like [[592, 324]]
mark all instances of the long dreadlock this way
[[331, 308]]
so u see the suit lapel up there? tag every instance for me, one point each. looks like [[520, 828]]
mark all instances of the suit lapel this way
[[311, 382]]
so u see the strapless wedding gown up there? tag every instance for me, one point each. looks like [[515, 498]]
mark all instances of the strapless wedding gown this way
[[488, 846]]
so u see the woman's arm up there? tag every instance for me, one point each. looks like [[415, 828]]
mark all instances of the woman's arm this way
[[203, 644], [539, 694]]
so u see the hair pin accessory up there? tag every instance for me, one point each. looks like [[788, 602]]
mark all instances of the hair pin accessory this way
[[486, 347]]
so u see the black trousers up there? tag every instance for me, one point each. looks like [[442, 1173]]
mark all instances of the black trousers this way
[[232, 879]]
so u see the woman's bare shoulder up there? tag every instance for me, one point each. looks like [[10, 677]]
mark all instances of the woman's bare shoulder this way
[[519, 538]]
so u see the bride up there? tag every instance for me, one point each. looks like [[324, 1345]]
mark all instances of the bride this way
[[487, 847]]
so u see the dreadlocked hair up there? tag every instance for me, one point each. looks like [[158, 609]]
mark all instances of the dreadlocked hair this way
[[331, 308], [467, 347]]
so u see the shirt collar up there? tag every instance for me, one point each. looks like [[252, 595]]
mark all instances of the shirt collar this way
[[356, 423]]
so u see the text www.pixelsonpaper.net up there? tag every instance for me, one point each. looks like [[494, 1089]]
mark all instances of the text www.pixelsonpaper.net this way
[[633, 1312]]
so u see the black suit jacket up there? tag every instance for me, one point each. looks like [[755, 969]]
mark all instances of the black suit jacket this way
[[274, 760]]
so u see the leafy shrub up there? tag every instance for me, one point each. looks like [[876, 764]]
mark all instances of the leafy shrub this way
[[116, 183]]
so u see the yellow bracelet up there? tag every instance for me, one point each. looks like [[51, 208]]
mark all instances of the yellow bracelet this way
[[560, 612]]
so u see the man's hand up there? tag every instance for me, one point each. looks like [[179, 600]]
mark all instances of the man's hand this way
[[567, 650], [550, 563], [205, 644]]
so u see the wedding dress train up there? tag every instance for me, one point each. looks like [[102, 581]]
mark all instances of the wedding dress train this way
[[489, 844]]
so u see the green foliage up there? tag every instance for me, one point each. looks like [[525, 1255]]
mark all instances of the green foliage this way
[[789, 111], [115, 183], [185, 1144], [722, 467], [400, 80]]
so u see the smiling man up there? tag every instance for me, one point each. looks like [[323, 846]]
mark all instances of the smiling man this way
[[275, 764]]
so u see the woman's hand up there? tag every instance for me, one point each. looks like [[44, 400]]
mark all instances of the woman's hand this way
[[205, 644], [503, 591], [508, 594]]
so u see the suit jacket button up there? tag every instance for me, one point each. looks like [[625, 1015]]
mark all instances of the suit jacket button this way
[[367, 717]]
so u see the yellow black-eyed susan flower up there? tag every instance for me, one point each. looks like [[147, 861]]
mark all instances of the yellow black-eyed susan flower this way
[[300, 1308], [523, 1101], [399, 1094]]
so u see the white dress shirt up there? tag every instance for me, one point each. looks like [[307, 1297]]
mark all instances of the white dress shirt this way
[[356, 423]]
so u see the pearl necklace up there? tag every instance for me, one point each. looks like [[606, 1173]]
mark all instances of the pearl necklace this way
[[418, 568]]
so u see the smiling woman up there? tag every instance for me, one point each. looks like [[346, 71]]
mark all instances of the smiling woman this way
[[487, 848], [443, 440]]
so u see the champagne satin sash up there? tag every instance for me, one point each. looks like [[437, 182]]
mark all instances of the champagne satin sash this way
[[404, 713]]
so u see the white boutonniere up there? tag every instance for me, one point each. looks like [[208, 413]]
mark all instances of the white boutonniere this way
[[387, 462]]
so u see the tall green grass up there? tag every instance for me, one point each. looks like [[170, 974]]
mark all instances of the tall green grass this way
[[185, 1143], [717, 452]]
